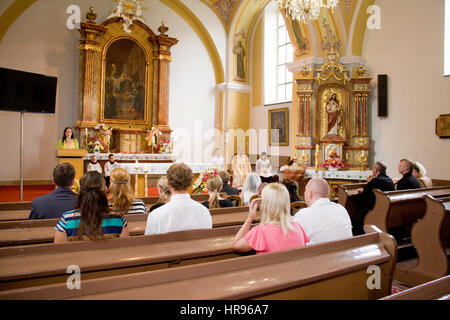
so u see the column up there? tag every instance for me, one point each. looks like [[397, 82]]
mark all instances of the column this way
[[300, 112], [364, 115], [89, 61], [308, 103], [357, 96]]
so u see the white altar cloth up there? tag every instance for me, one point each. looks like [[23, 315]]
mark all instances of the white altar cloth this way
[[161, 168], [339, 174], [133, 157]]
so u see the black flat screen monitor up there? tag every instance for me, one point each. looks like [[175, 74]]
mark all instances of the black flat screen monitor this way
[[27, 92]]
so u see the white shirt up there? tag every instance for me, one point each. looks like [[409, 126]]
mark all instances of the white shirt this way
[[109, 167], [95, 167], [179, 214], [263, 168], [325, 221]]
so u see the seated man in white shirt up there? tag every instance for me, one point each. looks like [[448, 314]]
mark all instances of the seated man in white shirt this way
[[181, 212], [323, 220]]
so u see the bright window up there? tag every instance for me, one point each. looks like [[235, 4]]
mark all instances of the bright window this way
[[277, 54]]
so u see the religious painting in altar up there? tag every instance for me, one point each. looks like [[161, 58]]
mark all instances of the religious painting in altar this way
[[279, 127], [333, 105], [124, 82]]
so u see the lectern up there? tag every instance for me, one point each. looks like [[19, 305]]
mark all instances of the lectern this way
[[75, 157]]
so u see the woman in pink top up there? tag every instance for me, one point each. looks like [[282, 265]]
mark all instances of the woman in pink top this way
[[276, 231]]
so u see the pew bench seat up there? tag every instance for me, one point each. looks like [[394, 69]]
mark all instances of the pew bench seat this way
[[333, 270]]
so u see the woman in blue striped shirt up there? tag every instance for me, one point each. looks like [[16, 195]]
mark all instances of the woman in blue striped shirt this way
[[92, 219]]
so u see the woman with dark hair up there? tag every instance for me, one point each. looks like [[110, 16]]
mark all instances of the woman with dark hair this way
[[292, 189], [92, 218], [68, 141]]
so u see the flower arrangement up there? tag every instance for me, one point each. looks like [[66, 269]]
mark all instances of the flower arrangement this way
[[96, 145], [164, 146], [199, 185], [334, 163]]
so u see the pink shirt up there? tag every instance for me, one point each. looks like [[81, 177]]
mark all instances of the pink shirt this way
[[269, 237]]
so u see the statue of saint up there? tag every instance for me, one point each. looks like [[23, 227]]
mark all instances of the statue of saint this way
[[239, 51], [333, 109]]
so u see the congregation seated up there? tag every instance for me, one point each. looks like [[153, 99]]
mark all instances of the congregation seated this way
[[181, 212], [276, 231], [365, 199], [229, 190], [61, 200], [214, 187], [408, 181], [419, 172], [120, 197], [323, 220], [250, 188], [92, 219], [164, 193]]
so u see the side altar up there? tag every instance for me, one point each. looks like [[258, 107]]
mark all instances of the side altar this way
[[333, 140]]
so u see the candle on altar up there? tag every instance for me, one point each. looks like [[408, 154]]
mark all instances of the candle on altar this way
[[362, 153]]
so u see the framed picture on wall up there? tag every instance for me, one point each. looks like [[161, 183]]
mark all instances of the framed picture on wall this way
[[279, 127], [443, 126]]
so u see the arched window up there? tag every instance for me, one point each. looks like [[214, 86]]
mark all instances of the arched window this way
[[278, 53]]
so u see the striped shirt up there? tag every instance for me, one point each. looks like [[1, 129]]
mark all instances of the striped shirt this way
[[112, 225], [138, 206]]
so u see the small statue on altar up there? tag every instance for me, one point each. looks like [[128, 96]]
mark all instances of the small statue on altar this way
[[152, 137], [333, 109]]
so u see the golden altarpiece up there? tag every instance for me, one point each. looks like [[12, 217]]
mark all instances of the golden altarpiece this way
[[123, 85], [333, 113]]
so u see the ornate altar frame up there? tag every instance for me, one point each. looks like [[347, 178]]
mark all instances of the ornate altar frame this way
[[95, 41], [313, 141]]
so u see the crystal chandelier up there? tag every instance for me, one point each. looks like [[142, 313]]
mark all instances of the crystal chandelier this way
[[305, 10]]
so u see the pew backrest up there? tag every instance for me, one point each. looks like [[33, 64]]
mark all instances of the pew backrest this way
[[42, 231], [29, 265], [434, 290], [332, 270], [401, 208], [345, 193]]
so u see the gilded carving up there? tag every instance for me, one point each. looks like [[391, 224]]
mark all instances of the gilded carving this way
[[361, 141]]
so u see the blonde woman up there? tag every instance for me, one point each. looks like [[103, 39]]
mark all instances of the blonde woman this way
[[276, 230], [164, 193], [121, 197], [420, 173], [214, 186]]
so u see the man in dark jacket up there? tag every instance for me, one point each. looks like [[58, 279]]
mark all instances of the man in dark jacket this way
[[366, 198], [61, 200], [408, 181]]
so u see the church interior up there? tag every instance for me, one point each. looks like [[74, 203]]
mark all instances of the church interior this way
[[157, 82]]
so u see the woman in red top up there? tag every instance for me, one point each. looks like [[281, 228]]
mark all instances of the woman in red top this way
[[276, 231]]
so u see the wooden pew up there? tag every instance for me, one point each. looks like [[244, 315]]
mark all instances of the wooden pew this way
[[345, 196], [401, 208], [333, 270], [22, 267], [431, 239], [435, 290], [13, 233], [14, 210], [21, 210]]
